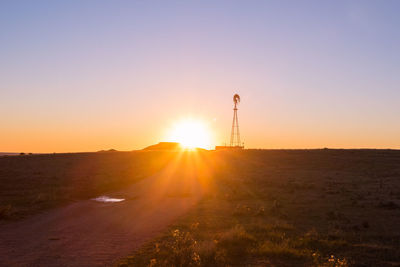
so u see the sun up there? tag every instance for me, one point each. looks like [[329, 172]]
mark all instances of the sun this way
[[191, 133]]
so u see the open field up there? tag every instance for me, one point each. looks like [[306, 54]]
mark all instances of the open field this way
[[237, 208], [29, 184], [289, 208]]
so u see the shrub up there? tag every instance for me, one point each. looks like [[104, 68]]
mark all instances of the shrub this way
[[236, 242], [283, 251], [183, 250], [5, 211]]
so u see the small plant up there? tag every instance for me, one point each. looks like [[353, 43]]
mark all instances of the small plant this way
[[260, 211], [5, 211], [242, 210], [335, 262], [180, 250], [184, 249], [210, 255], [236, 242], [283, 250]]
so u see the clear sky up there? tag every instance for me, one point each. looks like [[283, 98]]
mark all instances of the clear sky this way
[[91, 75]]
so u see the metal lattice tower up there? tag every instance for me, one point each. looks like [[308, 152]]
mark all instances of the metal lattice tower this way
[[235, 134]]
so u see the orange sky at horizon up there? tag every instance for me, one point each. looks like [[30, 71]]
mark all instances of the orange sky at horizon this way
[[88, 139]]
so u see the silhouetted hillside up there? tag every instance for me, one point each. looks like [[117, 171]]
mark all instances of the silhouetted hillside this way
[[106, 151], [164, 146]]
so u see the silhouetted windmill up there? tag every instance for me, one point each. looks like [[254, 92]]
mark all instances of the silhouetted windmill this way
[[235, 134]]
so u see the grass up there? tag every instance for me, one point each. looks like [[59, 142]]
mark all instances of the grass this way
[[31, 184], [288, 208], [259, 207]]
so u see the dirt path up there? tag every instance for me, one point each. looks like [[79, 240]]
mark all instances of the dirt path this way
[[89, 233]]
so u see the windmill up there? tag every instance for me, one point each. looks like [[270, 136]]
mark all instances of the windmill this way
[[235, 134]]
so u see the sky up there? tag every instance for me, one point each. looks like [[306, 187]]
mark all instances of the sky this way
[[91, 75]]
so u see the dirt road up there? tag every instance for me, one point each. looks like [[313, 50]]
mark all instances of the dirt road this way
[[89, 233]]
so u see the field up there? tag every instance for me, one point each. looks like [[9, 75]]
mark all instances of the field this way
[[289, 208], [257, 207], [29, 184]]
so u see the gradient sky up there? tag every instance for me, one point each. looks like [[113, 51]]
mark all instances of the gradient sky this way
[[91, 75]]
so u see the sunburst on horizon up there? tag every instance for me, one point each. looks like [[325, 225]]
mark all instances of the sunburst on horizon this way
[[191, 133]]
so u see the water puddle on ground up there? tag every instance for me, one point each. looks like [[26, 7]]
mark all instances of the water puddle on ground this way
[[106, 199]]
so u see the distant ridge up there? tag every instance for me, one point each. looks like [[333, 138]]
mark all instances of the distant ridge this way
[[106, 151], [170, 146], [8, 154], [164, 146]]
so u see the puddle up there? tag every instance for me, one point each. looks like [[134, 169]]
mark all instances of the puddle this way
[[107, 199]]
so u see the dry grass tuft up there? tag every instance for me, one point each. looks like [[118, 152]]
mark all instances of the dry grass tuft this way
[[284, 251], [236, 242]]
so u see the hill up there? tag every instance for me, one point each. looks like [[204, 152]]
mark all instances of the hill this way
[[169, 146]]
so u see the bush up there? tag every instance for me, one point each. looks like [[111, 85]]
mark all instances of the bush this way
[[284, 251], [236, 242], [5, 211]]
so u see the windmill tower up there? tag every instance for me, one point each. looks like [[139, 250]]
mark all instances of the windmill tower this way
[[235, 134]]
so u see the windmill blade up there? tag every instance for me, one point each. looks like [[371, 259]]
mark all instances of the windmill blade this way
[[236, 98]]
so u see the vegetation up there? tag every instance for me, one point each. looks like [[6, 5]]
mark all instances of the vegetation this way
[[288, 208], [29, 184], [257, 207]]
